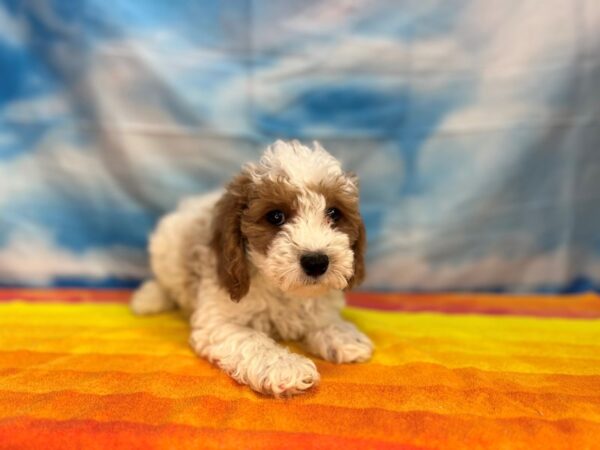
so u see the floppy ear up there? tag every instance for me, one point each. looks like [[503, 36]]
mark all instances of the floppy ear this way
[[359, 248], [228, 241]]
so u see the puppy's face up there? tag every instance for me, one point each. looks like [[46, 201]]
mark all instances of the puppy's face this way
[[303, 238], [298, 224]]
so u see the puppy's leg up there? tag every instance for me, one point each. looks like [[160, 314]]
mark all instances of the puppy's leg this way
[[252, 358], [339, 342], [150, 298]]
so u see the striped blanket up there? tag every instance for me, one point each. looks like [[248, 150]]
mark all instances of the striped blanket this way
[[77, 370]]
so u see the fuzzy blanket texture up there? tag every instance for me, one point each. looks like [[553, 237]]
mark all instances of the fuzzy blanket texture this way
[[78, 370]]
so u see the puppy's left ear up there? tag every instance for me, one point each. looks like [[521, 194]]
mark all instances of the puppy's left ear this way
[[228, 241], [359, 248]]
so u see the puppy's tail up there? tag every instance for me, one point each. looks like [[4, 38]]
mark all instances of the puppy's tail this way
[[150, 298]]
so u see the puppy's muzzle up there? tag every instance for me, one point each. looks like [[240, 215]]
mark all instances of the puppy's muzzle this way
[[314, 264]]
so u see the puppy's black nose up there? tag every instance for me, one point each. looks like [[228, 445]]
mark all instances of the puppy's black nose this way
[[314, 264]]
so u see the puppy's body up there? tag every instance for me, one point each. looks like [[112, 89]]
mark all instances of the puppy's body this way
[[222, 247]]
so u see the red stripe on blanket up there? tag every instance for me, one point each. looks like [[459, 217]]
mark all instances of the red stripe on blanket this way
[[568, 306]]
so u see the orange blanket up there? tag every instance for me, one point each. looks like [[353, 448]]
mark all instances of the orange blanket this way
[[77, 370]]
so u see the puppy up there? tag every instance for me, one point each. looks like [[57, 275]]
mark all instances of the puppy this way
[[267, 259]]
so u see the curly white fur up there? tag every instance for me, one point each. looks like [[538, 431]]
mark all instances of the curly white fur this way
[[280, 304]]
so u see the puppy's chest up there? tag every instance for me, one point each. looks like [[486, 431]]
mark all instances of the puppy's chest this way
[[286, 318]]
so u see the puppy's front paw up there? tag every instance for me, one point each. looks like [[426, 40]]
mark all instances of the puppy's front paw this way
[[341, 343], [289, 374]]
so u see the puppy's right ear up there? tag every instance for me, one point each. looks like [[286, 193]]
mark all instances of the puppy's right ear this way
[[227, 239]]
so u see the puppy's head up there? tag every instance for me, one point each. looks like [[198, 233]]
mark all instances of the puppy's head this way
[[294, 218]]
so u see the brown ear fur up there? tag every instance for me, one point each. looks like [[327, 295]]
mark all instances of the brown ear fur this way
[[359, 248], [228, 241]]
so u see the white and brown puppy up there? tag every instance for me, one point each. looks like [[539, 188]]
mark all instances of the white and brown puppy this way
[[267, 259]]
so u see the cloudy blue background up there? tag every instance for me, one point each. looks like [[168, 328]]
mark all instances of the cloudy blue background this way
[[474, 126]]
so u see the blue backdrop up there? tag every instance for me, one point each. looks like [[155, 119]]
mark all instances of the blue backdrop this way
[[474, 126]]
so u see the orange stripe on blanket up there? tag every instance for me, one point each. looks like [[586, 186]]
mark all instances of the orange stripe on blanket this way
[[169, 389], [365, 375], [91, 435], [415, 428]]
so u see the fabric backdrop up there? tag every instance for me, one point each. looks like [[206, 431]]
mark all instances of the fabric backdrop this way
[[473, 125]]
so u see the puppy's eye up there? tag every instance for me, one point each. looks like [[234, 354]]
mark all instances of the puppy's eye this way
[[334, 214], [276, 217]]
